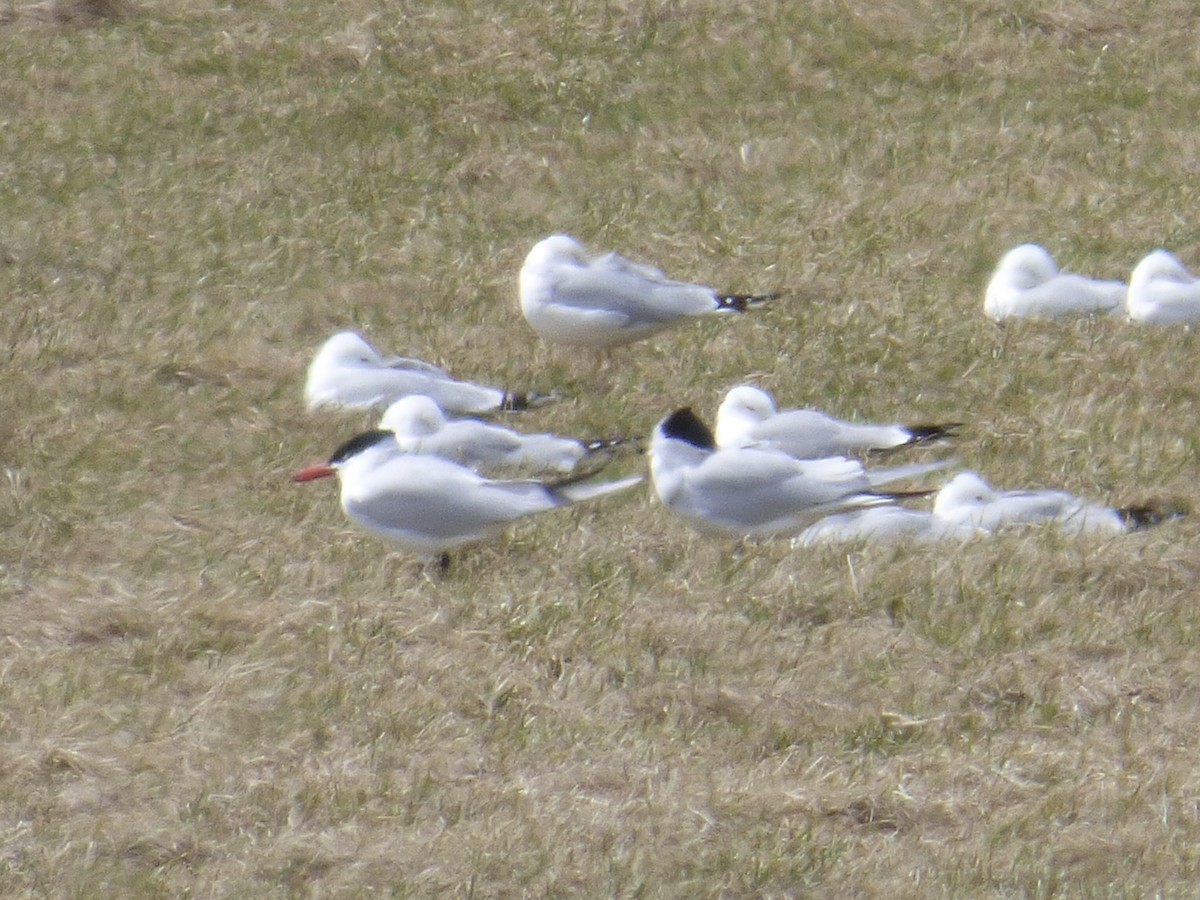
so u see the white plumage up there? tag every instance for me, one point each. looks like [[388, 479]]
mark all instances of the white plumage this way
[[884, 523], [749, 491], [420, 426], [967, 498], [1163, 292], [605, 301], [429, 505], [1027, 284], [748, 417], [348, 372]]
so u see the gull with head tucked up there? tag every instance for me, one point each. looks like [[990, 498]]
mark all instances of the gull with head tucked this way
[[348, 372], [571, 297], [967, 498], [748, 417], [1027, 284], [1163, 292], [420, 426]]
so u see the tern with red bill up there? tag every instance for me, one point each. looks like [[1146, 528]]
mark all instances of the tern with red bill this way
[[429, 505], [745, 491], [348, 372], [572, 297]]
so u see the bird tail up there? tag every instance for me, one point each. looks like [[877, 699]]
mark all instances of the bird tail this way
[[573, 491], [742, 302], [879, 477], [1140, 516]]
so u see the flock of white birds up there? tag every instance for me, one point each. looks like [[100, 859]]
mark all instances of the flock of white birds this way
[[430, 482], [1028, 284]]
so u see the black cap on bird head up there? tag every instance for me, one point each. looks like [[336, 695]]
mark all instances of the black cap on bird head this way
[[684, 425], [358, 443]]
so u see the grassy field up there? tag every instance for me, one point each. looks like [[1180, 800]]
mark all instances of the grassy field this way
[[210, 685]]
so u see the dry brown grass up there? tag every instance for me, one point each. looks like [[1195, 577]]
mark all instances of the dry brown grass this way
[[211, 685]]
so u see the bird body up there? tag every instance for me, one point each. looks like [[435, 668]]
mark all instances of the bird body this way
[[887, 522], [967, 498], [348, 372], [1027, 284], [421, 427], [429, 505], [751, 491], [1163, 292], [605, 301], [748, 417]]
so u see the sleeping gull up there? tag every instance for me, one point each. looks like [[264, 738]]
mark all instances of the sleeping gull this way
[[348, 372], [1027, 284], [605, 301], [420, 426], [748, 417], [1163, 292]]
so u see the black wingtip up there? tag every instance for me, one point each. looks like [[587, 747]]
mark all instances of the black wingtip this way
[[358, 443], [1140, 516], [685, 425], [742, 302], [608, 443], [519, 401], [922, 434]]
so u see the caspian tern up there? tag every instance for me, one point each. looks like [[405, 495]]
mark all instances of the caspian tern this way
[[884, 523], [429, 505], [348, 372], [421, 427], [1163, 292], [968, 498], [1027, 284], [749, 491], [605, 301], [748, 417]]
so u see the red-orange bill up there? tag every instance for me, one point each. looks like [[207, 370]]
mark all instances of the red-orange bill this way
[[312, 473]]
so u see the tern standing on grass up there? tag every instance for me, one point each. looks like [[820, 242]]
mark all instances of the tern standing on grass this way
[[428, 505], [743, 492]]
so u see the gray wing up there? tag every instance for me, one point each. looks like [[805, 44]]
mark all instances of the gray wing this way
[[641, 295]]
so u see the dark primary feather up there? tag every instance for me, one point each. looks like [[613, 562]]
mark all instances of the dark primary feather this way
[[1154, 512], [922, 433], [742, 302], [519, 401]]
